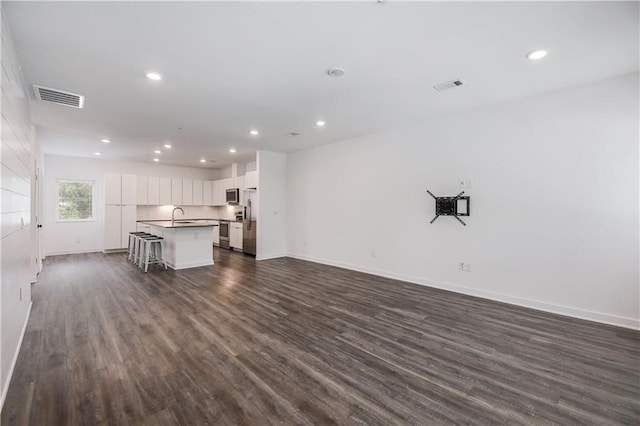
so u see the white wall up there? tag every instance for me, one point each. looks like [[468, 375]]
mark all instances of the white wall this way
[[271, 238], [554, 202], [79, 237], [15, 195]]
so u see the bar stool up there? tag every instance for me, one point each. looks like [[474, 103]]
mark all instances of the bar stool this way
[[152, 252], [137, 246], [132, 244]]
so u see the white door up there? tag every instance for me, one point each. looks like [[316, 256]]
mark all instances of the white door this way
[[207, 193], [165, 191], [37, 252]]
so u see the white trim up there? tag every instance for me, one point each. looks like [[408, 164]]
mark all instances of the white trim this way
[[189, 264], [272, 256], [5, 386], [584, 314], [82, 251]]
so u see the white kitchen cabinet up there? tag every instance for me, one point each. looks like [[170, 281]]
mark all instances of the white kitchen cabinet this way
[[235, 235], [207, 193], [129, 184], [153, 191], [112, 188], [119, 210], [251, 180], [216, 235], [239, 183], [176, 192], [142, 191], [197, 192], [219, 195], [112, 226], [165, 191], [128, 223], [187, 192]]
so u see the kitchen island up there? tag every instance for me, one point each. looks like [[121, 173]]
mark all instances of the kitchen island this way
[[187, 243]]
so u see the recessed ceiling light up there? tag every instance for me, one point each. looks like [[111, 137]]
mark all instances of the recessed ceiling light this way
[[202, 160], [156, 159], [254, 132], [537, 54], [293, 134], [154, 76], [335, 72], [157, 151], [96, 153], [106, 140], [320, 123], [166, 145], [232, 150]]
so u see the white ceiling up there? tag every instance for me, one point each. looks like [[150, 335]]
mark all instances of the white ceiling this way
[[230, 67]]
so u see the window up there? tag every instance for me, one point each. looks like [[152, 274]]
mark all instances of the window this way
[[75, 200]]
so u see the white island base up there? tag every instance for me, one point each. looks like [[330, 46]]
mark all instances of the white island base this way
[[185, 246]]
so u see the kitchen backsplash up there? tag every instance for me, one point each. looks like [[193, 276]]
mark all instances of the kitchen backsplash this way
[[190, 212]]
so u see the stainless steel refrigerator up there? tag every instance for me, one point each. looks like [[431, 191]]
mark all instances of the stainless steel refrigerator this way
[[249, 222]]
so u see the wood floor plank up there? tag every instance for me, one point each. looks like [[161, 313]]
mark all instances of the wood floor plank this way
[[286, 341]]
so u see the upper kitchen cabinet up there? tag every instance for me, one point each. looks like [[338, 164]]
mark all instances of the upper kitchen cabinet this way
[[251, 180], [187, 192], [165, 191], [239, 182], [120, 189], [198, 195], [219, 191], [207, 193], [113, 188], [153, 191], [142, 191], [176, 192]]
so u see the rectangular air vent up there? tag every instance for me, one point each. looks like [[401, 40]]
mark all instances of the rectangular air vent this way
[[448, 85], [58, 96]]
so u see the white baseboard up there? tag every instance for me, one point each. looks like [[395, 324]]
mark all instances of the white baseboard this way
[[189, 264], [63, 252], [272, 256], [5, 386], [527, 303]]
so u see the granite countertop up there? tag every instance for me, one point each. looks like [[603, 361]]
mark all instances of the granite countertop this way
[[182, 223]]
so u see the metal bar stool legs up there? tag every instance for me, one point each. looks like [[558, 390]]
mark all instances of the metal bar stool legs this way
[[153, 252]]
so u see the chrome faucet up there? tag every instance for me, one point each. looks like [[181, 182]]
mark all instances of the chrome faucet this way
[[173, 212]]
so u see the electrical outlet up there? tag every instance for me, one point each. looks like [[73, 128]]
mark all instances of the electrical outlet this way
[[464, 266], [464, 183]]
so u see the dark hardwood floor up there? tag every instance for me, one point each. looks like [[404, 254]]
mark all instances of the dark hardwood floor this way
[[291, 342]]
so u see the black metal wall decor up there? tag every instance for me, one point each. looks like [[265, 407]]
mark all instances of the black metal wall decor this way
[[448, 206]]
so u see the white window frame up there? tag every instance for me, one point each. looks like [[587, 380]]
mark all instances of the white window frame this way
[[93, 200]]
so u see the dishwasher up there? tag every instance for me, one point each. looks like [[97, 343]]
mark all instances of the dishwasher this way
[[224, 234]]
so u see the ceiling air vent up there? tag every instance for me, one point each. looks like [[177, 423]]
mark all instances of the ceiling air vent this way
[[58, 96], [448, 85]]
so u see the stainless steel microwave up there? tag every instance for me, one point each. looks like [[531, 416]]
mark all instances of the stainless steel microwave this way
[[233, 196]]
